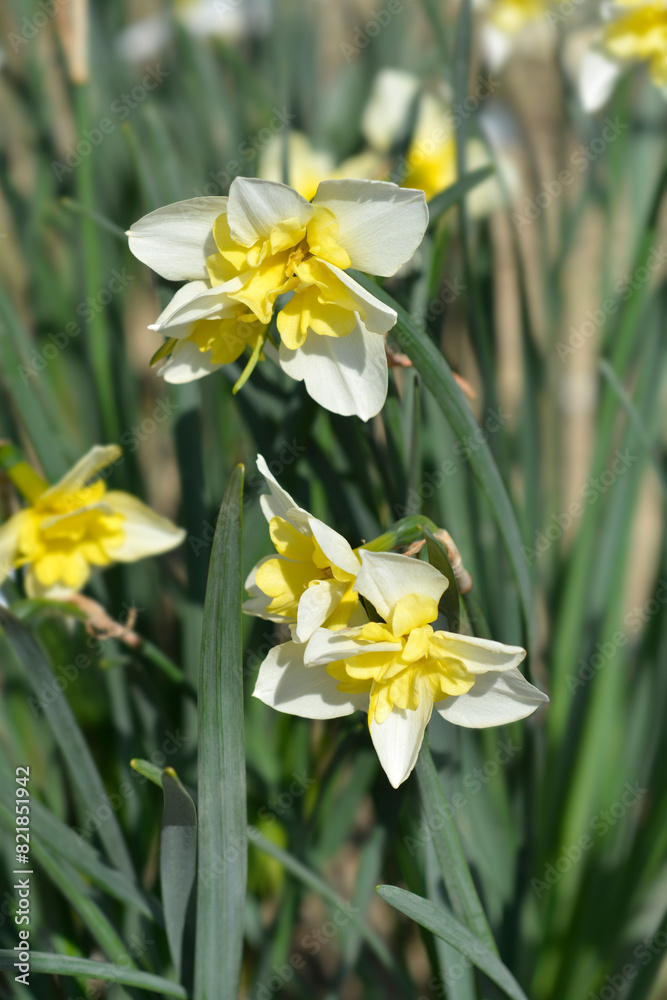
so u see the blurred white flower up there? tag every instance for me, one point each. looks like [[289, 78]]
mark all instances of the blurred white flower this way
[[636, 32], [308, 166], [515, 26], [230, 19]]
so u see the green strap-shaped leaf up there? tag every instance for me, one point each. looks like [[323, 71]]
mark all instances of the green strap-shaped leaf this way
[[65, 965], [79, 761], [443, 201], [222, 842], [453, 865], [178, 853], [442, 924], [438, 378]]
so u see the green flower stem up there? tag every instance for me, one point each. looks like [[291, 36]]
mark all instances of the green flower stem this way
[[404, 532]]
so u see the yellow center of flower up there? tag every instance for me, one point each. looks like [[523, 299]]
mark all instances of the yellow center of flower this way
[[397, 678], [641, 33], [304, 565], [290, 259], [511, 16], [62, 535], [227, 338]]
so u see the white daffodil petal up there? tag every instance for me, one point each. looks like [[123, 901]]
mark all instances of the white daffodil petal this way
[[315, 605], [398, 739], [378, 317], [9, 542], [346, 375], [256, 206], [336, 548], [279, 503], [379, 224], [286, 685], [597, 79], [325, 646], [146, 533], [186, 363], [482, 655], [98, 458], [385, 116], [386, 577], [176, 240], [496, 45], [494, 700], [194, 301]]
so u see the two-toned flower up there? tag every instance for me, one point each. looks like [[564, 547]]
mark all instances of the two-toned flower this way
[[76, 526], [266, 250]]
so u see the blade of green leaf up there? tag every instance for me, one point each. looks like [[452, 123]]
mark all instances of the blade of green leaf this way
[[439, 922], [178, 852], [68, 845], [65, 965], [438, 378], [452, 195], [79, 761], [221, 885], [453, 865]]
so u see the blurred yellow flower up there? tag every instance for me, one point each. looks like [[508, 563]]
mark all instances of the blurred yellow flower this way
[[76, 525], [309, 166], [640, 32]]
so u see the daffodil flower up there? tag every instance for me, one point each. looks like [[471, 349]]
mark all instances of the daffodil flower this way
[[398, 669], [240, 255], [309, 166], [636, 32], [77, 525], [310, 582], [515, 25], [430, 162]]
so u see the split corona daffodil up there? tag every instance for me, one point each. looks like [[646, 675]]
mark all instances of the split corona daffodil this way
[[77, 525], [310, 582], [429, 163], [399, 669], [309, 166], [636, 32], [265, 242]]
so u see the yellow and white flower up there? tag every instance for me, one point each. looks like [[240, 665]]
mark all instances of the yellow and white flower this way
[[310, 582], [636, 32], [520, 26], [76, 526], [240, 254], [429, 163], [399, 669], [309, 166]]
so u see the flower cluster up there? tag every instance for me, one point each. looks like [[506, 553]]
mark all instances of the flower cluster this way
[[266, 252], [397, 668]]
